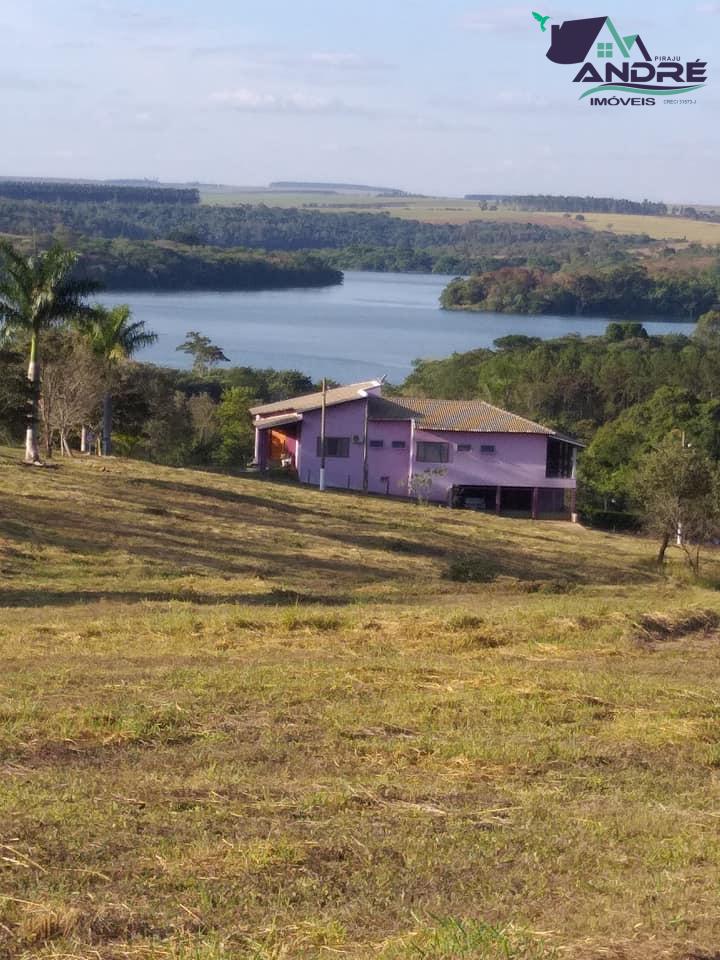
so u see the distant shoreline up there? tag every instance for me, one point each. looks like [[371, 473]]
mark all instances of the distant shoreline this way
[[619, 318]]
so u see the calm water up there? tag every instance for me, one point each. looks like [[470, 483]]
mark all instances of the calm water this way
[[375, 324]]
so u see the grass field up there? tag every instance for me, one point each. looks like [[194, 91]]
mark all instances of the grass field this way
[[448, 210], [246, 720]]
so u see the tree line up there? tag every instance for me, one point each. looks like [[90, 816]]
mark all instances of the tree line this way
[[623, 290], [164, 265], [571, 204], [515, 248], [278, 228], [76, 192]]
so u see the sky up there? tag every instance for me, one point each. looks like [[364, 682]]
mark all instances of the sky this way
[[444, 98]]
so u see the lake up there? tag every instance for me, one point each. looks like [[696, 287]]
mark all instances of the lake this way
[[375, 324]]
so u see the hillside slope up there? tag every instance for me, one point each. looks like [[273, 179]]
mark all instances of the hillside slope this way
[[243, 719]]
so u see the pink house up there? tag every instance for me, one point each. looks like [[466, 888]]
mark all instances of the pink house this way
[[465, 453]]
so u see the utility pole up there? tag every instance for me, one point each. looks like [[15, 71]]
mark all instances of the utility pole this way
[[323, 408]]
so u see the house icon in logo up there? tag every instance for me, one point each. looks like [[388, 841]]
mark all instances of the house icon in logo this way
[[576, 40]]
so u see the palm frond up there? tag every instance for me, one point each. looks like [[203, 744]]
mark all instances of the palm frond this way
[[111, 334], [39, 291]]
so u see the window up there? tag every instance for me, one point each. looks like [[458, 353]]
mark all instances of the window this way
[[398, 444], [376, 443], [464, 447], [487, 448], [335, 447], [559, 459], [605, 50], [433, 452]]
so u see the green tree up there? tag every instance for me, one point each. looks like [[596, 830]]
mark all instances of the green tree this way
[[237, 435], [36, 293], [610, 465], [205, 354], [707, 330], [113, 336], [679, 491], [625, 331]]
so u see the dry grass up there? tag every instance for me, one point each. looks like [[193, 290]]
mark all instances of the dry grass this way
[[243, 720]]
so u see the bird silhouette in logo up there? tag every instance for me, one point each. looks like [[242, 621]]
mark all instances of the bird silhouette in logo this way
[[541, 20]]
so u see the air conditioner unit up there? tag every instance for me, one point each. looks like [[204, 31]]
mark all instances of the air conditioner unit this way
[[357, 439]]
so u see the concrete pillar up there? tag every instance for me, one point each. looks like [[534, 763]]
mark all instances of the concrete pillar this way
[[535, 502], [498, 500], [573, 505]]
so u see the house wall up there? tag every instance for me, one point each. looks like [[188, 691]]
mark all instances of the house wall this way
[[519, 461], [387, 461], [343, 420]]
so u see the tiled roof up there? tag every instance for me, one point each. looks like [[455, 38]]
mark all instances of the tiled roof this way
[[474, 416], [313, 401], [462, 415]]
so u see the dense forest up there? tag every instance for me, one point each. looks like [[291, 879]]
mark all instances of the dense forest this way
[[50, 191], [144, 265], [510, 245], [279, 228], [625, 290]]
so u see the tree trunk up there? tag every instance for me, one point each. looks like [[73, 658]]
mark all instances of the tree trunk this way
[[107, 424], [663, 547], [83, 439], [32, 452]]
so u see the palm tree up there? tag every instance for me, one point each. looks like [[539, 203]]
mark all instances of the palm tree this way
[[113, 337], [37, 292]]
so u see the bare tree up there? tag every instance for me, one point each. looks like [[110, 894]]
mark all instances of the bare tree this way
[[71, 393]]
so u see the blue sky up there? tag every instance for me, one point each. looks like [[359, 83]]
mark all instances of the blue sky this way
[[448, 98]]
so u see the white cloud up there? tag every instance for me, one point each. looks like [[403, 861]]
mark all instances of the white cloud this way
[[254, 101]]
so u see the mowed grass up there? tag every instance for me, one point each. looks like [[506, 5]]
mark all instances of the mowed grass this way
[[241, 719]]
